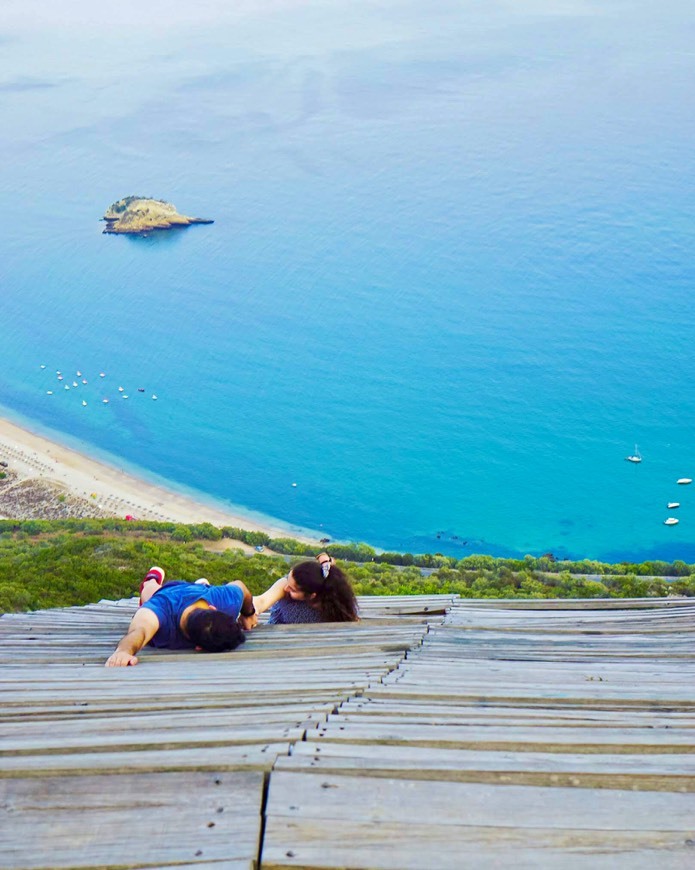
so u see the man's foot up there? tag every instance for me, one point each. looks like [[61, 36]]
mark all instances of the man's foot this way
[[155, 575]]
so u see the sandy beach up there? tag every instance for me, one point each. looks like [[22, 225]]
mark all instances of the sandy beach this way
[[46, 479]]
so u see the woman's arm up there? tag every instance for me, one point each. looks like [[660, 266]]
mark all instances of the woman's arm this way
[[143, 627], [270, 596]]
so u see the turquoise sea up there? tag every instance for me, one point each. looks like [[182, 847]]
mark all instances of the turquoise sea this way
[[449, 286]]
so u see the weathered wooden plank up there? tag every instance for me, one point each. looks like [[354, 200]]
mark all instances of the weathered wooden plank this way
[[541, 738], [575, 612], [553, 645], [132, 820], [460, 675], [409, 845], [587, 680], [492, 694], [584, 604], [409, 756], [634, 772], [232, 864], [452, 717], [289, 687], [160, 740], [156, 761], [348, 669], [154, 724], [586, 690], [327, 796], [439, 710], [73, 710], [569, 641]]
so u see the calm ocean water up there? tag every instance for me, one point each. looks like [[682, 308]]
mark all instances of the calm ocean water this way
[[450, 282]]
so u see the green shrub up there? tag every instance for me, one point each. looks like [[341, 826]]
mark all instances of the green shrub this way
[[66, 562]]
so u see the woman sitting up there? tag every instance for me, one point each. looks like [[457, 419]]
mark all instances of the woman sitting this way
[[315, 591]]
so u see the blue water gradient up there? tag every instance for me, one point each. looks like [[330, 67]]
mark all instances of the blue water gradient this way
[[450, 280]]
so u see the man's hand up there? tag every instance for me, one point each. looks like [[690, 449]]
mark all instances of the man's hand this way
[[120, 659], [248, 622], [143, 627]]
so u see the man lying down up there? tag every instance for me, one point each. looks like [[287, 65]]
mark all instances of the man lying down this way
[[183, 615]]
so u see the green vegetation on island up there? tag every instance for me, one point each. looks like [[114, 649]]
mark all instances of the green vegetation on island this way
[[58, 563]]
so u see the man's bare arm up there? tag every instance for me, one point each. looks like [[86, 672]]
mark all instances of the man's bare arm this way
[[143, 627]]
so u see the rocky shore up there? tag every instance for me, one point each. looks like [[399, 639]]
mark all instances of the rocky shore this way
[[36, 499]]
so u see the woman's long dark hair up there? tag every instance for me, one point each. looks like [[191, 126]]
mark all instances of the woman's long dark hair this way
[[335, 599]]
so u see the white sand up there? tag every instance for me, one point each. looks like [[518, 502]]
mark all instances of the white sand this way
[[115, 491]]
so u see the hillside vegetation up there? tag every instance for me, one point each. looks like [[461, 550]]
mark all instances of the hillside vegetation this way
[[54, 563]]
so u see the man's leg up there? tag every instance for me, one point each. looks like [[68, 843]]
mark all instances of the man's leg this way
[[152, 582]]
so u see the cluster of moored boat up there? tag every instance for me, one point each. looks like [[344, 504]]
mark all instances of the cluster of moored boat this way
[[80, 381], [672, 505], [636, 457]]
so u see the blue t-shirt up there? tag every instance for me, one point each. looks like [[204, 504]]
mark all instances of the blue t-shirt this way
[[287, 611], [169, 602]]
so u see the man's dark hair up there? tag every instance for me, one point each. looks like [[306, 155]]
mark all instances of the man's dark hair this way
[[213, 630]]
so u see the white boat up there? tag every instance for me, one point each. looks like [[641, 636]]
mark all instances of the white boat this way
[[49, 392], [154, 397], [74, 383], [120, 389], [124, 396], [79, 374], [684, 480], [634, 457], [84, 404], [672, 505], [670, 521], [102, 374], [105, 401]]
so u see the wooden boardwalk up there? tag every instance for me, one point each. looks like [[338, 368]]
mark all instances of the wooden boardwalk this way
[[437, 733]]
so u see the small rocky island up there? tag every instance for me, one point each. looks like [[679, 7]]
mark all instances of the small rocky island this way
[[139, 215]]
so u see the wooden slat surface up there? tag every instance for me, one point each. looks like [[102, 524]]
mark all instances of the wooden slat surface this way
[[548, 737], [410, 845], [326, 796], [98, 821], [109, 768], [437, 732]]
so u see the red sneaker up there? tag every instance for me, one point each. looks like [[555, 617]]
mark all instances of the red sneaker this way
[[154, 573]]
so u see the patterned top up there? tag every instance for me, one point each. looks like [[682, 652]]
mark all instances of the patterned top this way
[[287, 611]]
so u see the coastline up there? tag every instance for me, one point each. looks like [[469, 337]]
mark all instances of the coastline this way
[[105, 490]]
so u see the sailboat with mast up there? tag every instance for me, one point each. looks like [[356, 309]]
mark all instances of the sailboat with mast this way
[[634, 457]]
